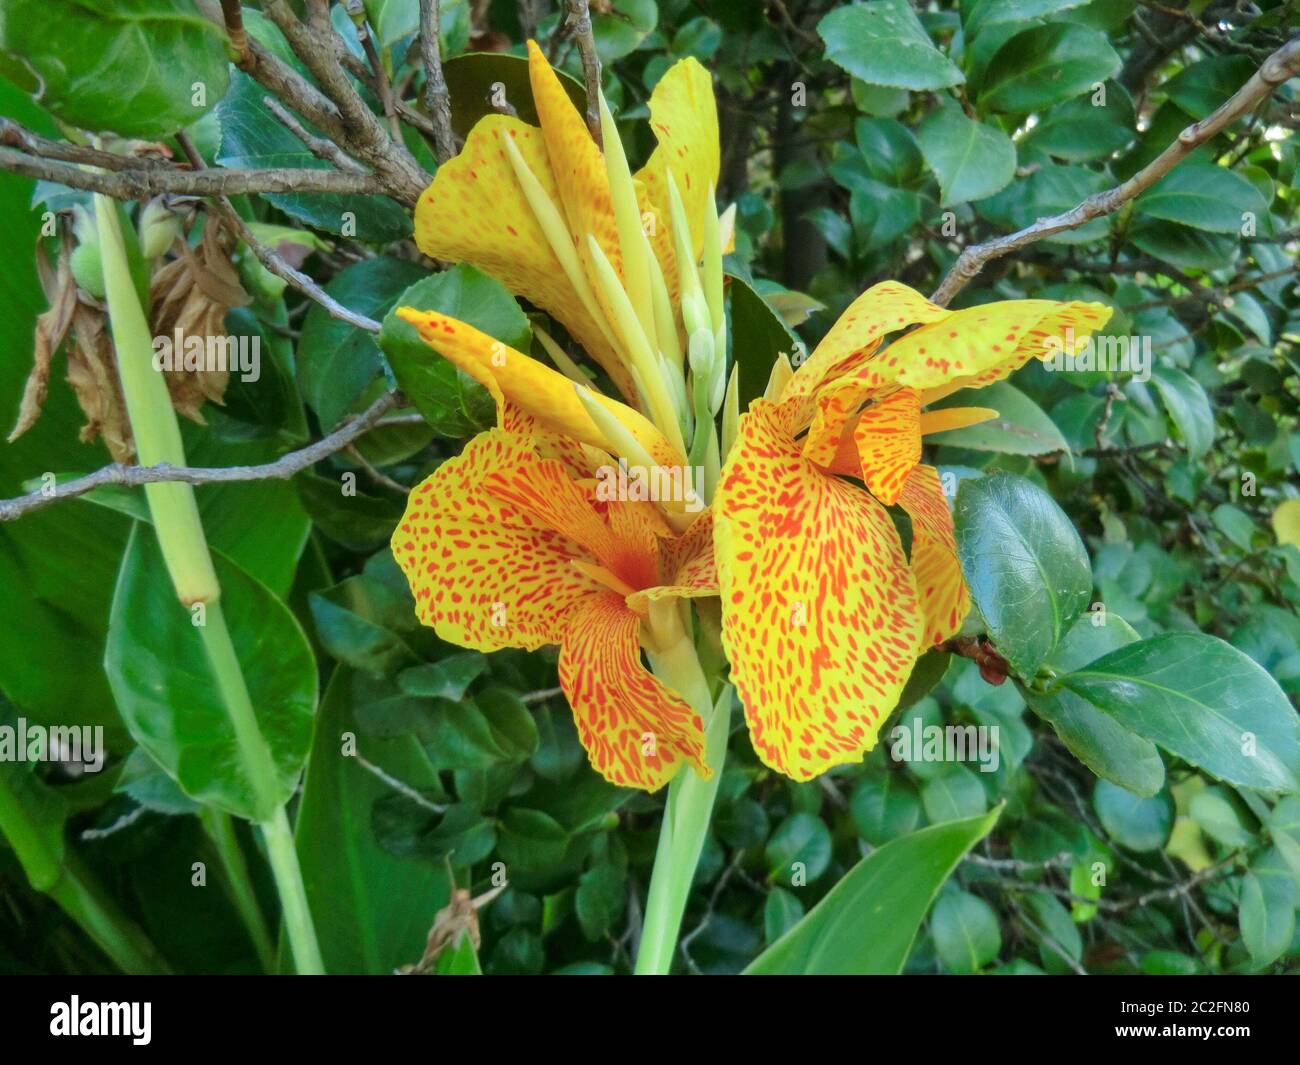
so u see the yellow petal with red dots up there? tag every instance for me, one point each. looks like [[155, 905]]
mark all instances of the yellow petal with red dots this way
[[945, 599], [579, 170], [884, 308], [983, 344], [486, 574], [888, 436], [475, 212], [687, 565], [820, 617], [684, 120], [636, 731], [545, 394]]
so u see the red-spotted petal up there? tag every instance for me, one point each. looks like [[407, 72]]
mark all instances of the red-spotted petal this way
[[888, 436], [637, 732], [820, 617], [484, 573], [939, 582]]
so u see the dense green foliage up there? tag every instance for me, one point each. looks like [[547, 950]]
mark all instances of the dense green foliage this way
[[1122, 532]]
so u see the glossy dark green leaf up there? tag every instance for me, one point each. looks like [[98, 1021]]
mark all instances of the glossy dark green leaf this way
[[965, 930], [1204, 196], [866, 922], [451, 401], [1188, 406], [885, 807], [1027, 569], [473, 78], [1268, 904], [1134, 822], [168, 698], [799, 850], [1202, 700], [1080, 130], [1095, 738], [372, 909], [336, 360], [758, 337], [96, 62], [882, 42], [1046, 65], [971, 159], [1021, 428]]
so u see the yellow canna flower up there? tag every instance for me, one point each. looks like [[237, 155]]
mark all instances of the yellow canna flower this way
[[824, 614], [569, 228], [508, 545]]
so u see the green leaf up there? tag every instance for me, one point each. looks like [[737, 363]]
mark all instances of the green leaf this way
[[1205, 86], [953, 795], [885, 807], [159, 674], [997, 12], [1184, 247], [758, 337], [1135, 823], [451, 401], [971, 160], [867, 922], [781, 912], [251, 137], [966, 932], [1188, 406], [336, 360], [1268, 904], [129, 66], [1027, 568], [1096, 739], [1058, 935], [1079, 131], [448, 678], [372, 909], [1202, 700], [1022, 427], [1045, 65], [882, 42], [1204, 196], [472, 80], [803, 839]]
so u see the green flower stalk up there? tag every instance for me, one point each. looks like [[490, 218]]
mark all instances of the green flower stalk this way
[[184, 547]]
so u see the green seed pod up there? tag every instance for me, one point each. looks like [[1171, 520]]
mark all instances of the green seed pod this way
[[87, 269]]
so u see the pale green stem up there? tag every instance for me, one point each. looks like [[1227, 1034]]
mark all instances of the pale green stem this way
[[221, 830], [687, 813], [180, 535], [118, 936]]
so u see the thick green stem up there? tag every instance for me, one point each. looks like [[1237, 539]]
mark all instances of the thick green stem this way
[[280, 851], [688, 811], [221, 830], [180, 534]]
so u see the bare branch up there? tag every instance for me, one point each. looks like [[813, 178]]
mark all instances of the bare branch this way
[[436, 96], [320, 147], [234, 19], [1281, 65], [579, 21], [135, 184], [12, 135], [282, 469], [363, 134]]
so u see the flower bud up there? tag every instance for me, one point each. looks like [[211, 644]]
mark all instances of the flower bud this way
[[159, 229]]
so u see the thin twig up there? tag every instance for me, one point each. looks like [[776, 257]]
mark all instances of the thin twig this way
[[283, 468], [320, 147], [436, 97], [579, 23], [1276, 69], [234, 18]]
